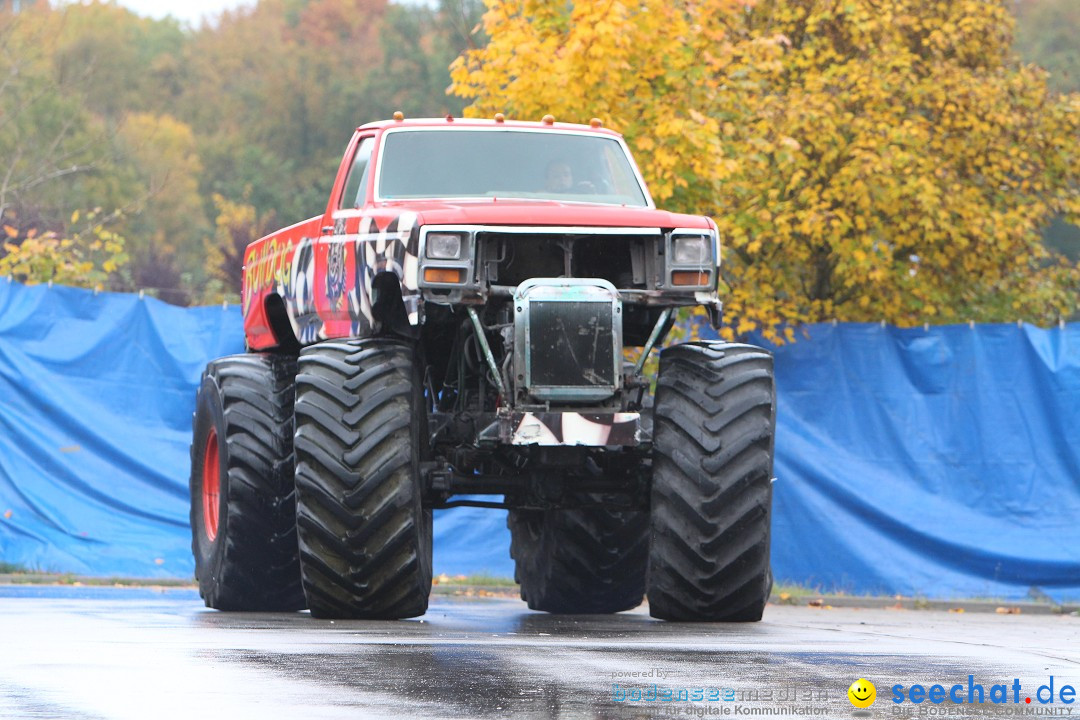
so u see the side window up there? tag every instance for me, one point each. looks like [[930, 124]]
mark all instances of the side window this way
[[357, 180]]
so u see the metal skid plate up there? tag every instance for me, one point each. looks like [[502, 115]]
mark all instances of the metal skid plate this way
[[557, 429], [568, 339]]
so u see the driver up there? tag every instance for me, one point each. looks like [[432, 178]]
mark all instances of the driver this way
[[559, 177]]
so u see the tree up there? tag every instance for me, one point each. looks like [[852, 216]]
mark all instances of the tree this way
[[101, 107], [87, 257], [238, 225], [46, 136], [418, 45], [652, 69], [1046, 32], [68, 79], [865, 160], [271, 126], [160, 155]]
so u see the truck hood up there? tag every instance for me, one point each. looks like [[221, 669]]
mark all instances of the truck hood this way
[[542, 212]]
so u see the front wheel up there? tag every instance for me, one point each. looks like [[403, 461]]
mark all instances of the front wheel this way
[[365, 538], [243, 517], [714, 422]]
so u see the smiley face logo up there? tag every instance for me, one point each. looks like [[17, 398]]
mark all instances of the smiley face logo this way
[[862, 693]]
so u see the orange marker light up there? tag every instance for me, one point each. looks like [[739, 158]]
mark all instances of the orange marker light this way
[[499, 117], [443, 275], [399, 116], [549, 120], [596, 123], [689, 277]]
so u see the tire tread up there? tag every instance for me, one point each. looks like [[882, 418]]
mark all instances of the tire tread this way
[[259, 568], [364, 540], [714, 422], [582, 560]]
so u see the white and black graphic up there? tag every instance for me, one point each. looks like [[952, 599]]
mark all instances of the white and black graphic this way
[[390, 250], [569, 428], [299, 293]]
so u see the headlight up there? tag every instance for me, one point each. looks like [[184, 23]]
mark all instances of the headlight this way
[[691, 250], [444, 246]]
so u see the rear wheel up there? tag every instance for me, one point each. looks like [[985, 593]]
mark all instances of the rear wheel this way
[[711, 501], [243, 516], [582, 560], [365, 539]]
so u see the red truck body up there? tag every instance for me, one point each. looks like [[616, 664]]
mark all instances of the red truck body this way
[[322, 270]]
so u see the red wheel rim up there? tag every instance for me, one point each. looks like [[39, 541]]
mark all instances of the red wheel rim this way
[[211, 486]]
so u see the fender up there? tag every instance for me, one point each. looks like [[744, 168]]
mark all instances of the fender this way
[[327, 282]]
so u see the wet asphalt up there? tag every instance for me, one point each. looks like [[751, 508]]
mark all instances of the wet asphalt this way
[[70, 652]]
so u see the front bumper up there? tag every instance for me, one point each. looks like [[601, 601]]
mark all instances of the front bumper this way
[[570, 429]]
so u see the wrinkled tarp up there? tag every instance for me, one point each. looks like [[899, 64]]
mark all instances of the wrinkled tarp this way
[[941, 462]]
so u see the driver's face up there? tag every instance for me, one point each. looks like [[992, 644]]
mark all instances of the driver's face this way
[[559, 177]]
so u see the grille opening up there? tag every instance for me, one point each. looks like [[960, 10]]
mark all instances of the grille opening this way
[[607, 258], [513, 258], [523, 257]]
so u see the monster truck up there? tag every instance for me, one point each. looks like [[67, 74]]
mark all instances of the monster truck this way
[[451, 331]]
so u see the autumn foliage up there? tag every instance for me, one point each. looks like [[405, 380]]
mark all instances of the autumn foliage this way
[[864, 160], [197, 136]]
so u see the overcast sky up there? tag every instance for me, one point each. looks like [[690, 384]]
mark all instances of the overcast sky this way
[[190, 11], [193, 11]]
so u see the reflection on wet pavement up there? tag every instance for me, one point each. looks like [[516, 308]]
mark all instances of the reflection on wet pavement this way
[[131, 655]]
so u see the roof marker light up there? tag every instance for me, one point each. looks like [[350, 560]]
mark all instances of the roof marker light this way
[[596, 123], [549, 120], [399, 116], [499, 117], [449, 117]]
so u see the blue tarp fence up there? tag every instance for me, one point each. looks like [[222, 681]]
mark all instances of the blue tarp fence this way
[[942, 462]]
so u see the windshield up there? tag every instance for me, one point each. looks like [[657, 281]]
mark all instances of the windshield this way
[[479, 163]]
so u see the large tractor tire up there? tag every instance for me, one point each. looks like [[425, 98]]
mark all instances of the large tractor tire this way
[[714, 421], [243, 510], [365, 539], [587, 560]]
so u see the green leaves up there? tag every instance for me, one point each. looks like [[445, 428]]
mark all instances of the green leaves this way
[[101, 107]]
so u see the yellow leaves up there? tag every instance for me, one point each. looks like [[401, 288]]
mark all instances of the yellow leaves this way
[[745, 326], [796, 179], [83, 259], [11, 232], [829, 158], [652, 67]]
